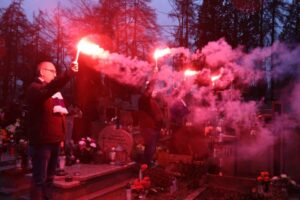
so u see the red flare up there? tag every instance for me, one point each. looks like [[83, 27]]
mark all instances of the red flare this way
[[90, 48], [161, 52], [214, 78], [189, 72]]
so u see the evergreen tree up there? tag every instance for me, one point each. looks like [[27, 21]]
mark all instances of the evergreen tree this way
[[291, 28], [15, 31], [184, 12], [209, 22], [239, 23], [248, 24], [274, 14]]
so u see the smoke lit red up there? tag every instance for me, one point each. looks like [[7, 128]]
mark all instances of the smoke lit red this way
[[213, 96]]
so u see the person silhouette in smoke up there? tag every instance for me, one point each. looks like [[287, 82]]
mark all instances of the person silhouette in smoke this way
[[150, 121], [178, 110], [45, 125]]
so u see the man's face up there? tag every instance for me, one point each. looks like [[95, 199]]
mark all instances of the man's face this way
[[48, 72]]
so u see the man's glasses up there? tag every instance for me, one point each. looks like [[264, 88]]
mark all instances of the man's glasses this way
[[50, 70]]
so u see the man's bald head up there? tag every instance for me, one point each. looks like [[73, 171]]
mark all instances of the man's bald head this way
[[46, 71]]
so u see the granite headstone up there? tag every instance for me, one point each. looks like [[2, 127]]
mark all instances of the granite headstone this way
[[111, 136]]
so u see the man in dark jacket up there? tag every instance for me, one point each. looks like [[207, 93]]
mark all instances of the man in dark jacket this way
[[46, 125], [150, 121]]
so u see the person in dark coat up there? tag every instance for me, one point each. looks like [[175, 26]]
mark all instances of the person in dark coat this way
[[150, 121], [45, 125]]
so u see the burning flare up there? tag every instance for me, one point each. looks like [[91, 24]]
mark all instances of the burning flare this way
[[158, 54], [214, 78], [161, 53], [90, 48], [189, 72]]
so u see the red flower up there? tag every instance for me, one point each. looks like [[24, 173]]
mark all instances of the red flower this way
[[140, 185], [266, 179], [264, 173], [259, 179], [146, 182], [137, 185], [144, 167], [136, 181], [3, 134]]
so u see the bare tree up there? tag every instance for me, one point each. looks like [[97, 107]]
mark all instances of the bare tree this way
[[127, 26]]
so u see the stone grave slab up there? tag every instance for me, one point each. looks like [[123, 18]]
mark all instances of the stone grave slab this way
[[111, 136], [84, 172]]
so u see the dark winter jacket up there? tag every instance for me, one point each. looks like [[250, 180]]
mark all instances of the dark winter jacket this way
[[42, 125], [150, 115]]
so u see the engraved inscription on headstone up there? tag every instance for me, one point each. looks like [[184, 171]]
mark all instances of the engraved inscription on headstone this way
[[111, 137]]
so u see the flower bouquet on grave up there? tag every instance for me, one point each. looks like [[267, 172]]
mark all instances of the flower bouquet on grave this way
[[11, 139], [284, 184], [263, 182], [142, 184], [87, 149], [14, 132]]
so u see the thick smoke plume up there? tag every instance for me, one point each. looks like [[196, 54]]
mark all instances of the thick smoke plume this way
[[217, 102]]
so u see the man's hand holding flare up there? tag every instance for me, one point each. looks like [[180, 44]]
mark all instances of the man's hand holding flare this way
[[74, 67]]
